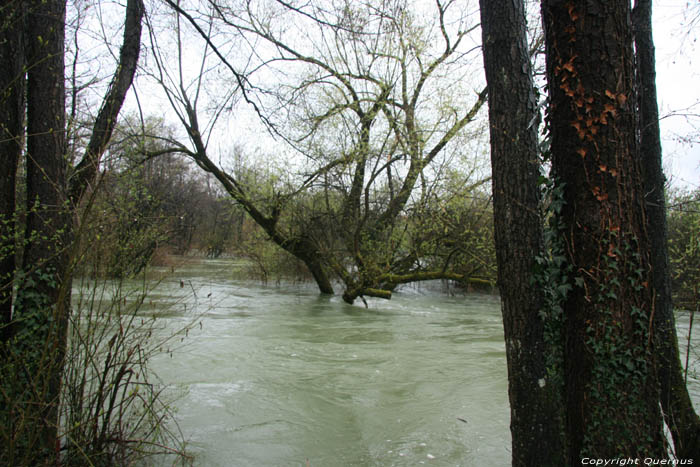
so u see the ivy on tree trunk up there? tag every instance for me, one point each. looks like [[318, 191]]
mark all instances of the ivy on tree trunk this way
[[609, 359]]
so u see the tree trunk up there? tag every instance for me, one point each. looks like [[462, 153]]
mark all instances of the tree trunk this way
[[39, 318], [612, 410], [11, 142], [536, 423], [36, 341], [675, 400], [86, 171]]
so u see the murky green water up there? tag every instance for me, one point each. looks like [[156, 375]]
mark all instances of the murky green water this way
[[278, 375]]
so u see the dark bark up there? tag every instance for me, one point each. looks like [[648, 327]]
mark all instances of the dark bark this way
[[319, 273], [611, 409], [39, 319], [675, 400], [36, 341], [11, 142], [86, 171], [389, 281], [536, 426]]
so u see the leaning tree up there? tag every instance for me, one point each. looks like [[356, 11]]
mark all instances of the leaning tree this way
[[362, 97]]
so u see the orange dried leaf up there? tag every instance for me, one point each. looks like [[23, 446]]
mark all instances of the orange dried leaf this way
[[610, 94]]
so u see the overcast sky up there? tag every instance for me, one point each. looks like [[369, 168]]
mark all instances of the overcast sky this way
[[678, 83], [676, 37]]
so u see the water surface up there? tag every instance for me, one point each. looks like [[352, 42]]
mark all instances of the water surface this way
[[280, 376]]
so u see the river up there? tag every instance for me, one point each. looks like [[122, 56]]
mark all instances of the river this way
[[276, 375]]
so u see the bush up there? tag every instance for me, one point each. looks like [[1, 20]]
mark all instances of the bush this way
[[112, 411]]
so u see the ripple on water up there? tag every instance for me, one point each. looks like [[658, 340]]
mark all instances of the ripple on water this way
[[279, 375]]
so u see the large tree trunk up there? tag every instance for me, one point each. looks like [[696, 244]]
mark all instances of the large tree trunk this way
[[11, 142], [612, 410], [536, 422], [39, 318], [675, 400], [36, 341]]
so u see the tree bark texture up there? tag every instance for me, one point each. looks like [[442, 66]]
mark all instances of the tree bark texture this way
[[11, 142], [35, 339], [536, 426], [679, 414], [39, 319], [612, 409]]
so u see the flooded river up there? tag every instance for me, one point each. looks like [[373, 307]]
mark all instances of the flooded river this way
[[279, 376]]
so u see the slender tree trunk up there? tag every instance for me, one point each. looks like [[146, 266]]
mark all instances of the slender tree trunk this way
[[86, 171], [675, 400], [11, 142], [536, 423], [612, 410]]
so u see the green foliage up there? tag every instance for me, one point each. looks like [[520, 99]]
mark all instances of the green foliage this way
[[553, 275], [621, 353], [455, 232], [266, 260], [684, 247], [147, 207], [126, 227]]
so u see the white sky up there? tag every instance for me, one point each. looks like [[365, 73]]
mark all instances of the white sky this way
[[678, 85]]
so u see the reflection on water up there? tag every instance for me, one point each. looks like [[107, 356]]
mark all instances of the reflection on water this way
[[278, 375]]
